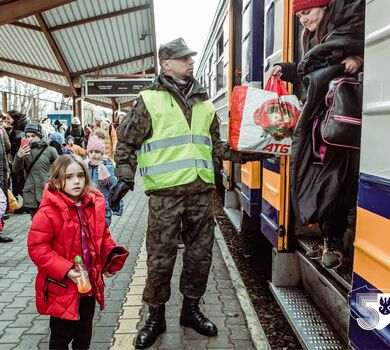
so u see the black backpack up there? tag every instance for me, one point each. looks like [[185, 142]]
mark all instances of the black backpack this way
[[342, 122]]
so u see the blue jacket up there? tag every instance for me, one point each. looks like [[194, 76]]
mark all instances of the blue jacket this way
[[105, 190]]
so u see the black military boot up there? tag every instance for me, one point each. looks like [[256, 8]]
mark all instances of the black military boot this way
[[154, 326], [192, 317]]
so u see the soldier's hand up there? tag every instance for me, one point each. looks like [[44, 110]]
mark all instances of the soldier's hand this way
[[253, 157], [117, 192], [242, 158]]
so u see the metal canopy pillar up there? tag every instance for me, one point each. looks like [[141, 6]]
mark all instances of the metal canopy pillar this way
[[4, 107], [78, 108]]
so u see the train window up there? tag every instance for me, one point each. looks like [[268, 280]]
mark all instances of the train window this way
[[220, 75], [270, 30], [220, 46], [210, 74]]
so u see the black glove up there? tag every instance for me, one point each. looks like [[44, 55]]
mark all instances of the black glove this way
[[242, 158], [117, 192], [253, 157]]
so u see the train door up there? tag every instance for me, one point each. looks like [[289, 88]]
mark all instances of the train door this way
[[242, 182], [275, 184], [370, 296]]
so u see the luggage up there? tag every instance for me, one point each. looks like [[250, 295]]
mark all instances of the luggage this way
[[341, 124]]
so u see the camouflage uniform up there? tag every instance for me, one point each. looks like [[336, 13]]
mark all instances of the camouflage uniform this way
[[188, 205]]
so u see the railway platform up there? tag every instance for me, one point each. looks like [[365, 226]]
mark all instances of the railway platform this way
[[226, 301]]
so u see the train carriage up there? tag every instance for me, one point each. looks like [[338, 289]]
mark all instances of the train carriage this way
[[327, 308]]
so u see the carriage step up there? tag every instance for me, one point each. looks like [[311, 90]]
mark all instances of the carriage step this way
[[235, 217], [310, 327]]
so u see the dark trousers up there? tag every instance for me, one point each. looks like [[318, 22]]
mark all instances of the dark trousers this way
[[64, 331], [166, 216], [32, 211], [335, 226]]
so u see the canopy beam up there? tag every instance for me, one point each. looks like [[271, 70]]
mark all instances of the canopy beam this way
[[14, 10]]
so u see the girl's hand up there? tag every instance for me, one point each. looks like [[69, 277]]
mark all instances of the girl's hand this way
[[109, 274], [73, 274], [277, 71], [23, 151], [352, 64]]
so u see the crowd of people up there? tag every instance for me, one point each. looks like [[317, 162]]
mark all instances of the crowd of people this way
[[28, 149]]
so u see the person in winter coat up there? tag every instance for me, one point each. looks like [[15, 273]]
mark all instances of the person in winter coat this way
[[172, 133], [110, 136], [33, 161], [102, 173], [71, 222], [59, 127], [87, 131], [5, 147], [3, 208], [76, 130], [324, 188], [47, 127], [16, 123], [57, 141], [70, 144]]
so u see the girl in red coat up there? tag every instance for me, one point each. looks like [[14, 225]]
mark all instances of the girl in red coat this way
[[71, 221]]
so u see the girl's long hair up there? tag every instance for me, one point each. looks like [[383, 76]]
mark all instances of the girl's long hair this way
[[58, 173], [317, 36]]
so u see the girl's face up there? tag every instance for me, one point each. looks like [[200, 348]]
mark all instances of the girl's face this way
[[95, 155], [311, 18], [9, 120], [74, 181]]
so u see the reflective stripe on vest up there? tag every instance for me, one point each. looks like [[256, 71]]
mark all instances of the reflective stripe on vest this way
[[176, 154]]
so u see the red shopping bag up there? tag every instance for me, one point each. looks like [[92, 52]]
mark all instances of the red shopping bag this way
[[275, 84], [263, 121], [278, 116]]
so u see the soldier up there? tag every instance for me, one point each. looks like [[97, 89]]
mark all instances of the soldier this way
[[175, 131]]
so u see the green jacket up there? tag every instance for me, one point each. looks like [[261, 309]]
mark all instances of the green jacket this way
[[137, 127], [39, 174]]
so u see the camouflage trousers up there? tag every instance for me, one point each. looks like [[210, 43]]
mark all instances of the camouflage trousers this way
[[190, 216]]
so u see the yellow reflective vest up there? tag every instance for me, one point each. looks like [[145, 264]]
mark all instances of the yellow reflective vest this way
[[176, 154]]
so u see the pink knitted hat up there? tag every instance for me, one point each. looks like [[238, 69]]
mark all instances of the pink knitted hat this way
[[95, 144], [300, 5]]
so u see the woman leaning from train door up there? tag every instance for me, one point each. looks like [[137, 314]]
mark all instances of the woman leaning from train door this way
[[324, 185]]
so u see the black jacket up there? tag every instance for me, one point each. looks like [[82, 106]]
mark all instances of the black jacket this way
[[320, 192], [77, 132]]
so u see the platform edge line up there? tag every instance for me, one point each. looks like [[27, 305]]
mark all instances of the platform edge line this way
[[256, 331]]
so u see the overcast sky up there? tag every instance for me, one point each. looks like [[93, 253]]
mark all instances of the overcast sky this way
[[188, 19]]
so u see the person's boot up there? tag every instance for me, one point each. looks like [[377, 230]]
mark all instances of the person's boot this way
[[154, 326], [21, 210], [315, 251], [192, 317], [332, 256]]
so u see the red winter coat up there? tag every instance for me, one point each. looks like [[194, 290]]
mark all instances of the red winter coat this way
[[55, 239]]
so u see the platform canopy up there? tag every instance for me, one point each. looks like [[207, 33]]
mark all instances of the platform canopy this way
[[57, 44]]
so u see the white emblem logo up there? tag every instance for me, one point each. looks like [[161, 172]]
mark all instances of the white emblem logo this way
[[373, 307]]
